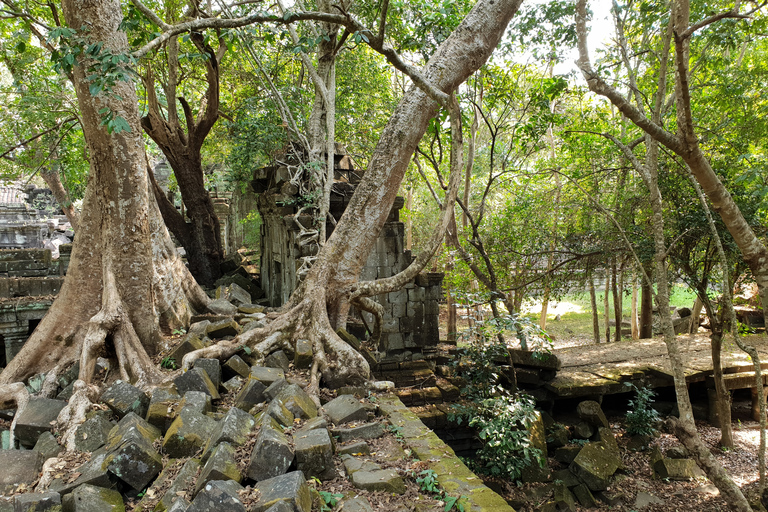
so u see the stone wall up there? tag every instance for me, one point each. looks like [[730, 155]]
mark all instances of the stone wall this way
[[410, 322]]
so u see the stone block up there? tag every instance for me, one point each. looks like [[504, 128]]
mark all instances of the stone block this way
[[566, 454], [36, 418], [272, 455], [221, 465], [233, 428], [676, 469], [191, 342], [344, 409], [296, 400], [197, 401], [196, 379], [371, 430], [48, 446], [212, 367], [199, 328], [266, 375], [591, 412], [280, 413], [252, 393], [302, 358], [222, 307], [291, 488], [277, 359], [188, 433], [314, 454], [233, 293], [183, 480], [90, 498], [357, 504], [358, 448], [161, 414], [93, 433], [275, 388], [386, 480], [314, 423], [218, 495], [250, 309], [222, 328], [233, 385], [583, 430], [19, 467], [595, 465], [122, 398], [235, 366], [93, 472], [37, 502], [584, 495], [134, 461]]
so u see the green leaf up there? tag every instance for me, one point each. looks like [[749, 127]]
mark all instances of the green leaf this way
[[21, 47], [94, 89]]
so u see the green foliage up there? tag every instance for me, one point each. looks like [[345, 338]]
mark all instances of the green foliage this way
[[427, 482], [641, 419], [329, 500], [169, 363], [502, 423]]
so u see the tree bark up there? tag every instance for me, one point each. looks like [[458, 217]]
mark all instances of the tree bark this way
[[125, 282], [646, 305], [201, 236], [593, 304]]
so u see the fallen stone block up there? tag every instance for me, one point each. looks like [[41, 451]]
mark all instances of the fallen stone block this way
[[566, 454], [48, 446], [302, 357], [219, 498], [196, 379], [212, 367], [353, 465], [183, 480], [134, 462], [291, 488], [271, 456], [197, 401], [344, 409], [188, 433], [676, 469], [190, 343], [122, 398], [357, 504], [266, 375], [233, 428], [584, 495], [314, 423], [386, 480], [221, 465], [93, 472], [235, 366], [372, 430], [199, 328], [275, 388], [37, 502], [595, 465], [36, 418], [233, 385], [280, 413], [233, 293], [19, 467], [223, 328], [93, 433], [359, 448], [564, 499], [89, 498], [277, 359], [298, 402], [591, 412], [222, 307], [133, 427], [253, 393], [314, 454]]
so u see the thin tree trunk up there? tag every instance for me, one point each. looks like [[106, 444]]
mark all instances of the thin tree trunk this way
[[633, 315], [53, 180], [646, 304], [695, 316], [593, 304], [617, 302], [606, 304]]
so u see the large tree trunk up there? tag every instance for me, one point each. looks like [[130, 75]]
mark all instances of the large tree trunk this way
[[334, 275], [124, 282], [201, 236]]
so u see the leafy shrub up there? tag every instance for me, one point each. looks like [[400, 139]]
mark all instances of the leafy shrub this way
[[642, 419], [502, 423]]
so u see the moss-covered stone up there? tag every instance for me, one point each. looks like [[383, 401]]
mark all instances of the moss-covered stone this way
[[595, 465]]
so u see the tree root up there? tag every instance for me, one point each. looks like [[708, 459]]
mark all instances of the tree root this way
[[333, 360], [73, 415], [14, 394]]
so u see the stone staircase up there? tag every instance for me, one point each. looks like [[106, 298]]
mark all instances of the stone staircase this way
[[29, 281]]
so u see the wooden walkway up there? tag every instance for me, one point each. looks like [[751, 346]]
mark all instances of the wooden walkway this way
[[602, 369]]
